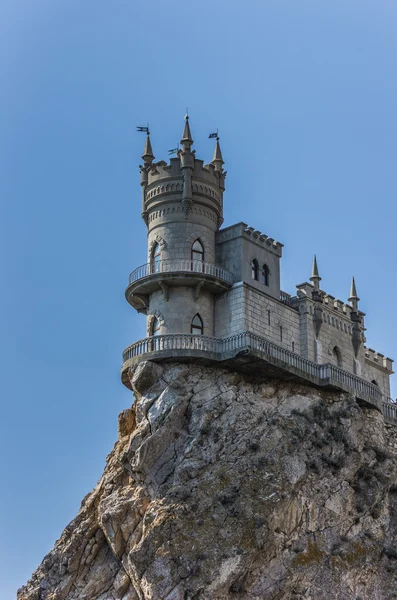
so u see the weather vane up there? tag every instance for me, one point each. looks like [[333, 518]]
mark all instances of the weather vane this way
[[143, 129]]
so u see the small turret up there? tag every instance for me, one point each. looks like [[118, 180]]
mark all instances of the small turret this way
[[354, 299], [217, 159], [187, 140], [147, 158], [317, 296], [187, 166], [315, 278], [355, 317], [148, 155]]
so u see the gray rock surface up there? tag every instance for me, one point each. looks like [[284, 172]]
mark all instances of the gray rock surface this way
[[224, 488]]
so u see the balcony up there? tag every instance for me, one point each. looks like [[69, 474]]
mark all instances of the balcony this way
[[160, 274], [253, 354]]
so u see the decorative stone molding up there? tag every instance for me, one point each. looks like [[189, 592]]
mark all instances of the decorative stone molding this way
[[157, 240], [154, 315]]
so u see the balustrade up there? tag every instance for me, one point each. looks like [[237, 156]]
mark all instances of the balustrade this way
[[180, 266], [221, 348]]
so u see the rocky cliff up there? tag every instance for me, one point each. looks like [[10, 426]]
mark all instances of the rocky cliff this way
[[220, 487]]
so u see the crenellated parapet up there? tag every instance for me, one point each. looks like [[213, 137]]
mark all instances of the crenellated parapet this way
[[378, 360], [185, 181]]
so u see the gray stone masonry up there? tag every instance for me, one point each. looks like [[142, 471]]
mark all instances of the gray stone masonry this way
[[182, 206]]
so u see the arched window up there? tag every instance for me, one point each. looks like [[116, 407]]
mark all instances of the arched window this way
[[198, 251], [155, 329], [255, 269], [197, 327], [265, 275], [156, 257], [337, 356]]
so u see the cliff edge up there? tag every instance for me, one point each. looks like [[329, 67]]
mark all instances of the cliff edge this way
[[220, 487]]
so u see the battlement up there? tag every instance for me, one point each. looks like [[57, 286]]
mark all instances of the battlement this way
[[379, 360], [243, 230], [163, 171], [338, 306]]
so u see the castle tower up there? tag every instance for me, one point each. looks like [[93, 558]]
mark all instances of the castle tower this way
[[182, 207]]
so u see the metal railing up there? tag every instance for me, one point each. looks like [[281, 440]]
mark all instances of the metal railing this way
[[285, 298], [173, 265], [389, 410], [221, 349]]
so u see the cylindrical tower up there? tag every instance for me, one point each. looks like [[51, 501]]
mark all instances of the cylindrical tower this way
[[182, 206]]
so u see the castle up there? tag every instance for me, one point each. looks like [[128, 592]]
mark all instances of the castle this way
[[212, 295]]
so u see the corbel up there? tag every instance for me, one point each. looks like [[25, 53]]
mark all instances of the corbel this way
[[165, 289], [197, 290]]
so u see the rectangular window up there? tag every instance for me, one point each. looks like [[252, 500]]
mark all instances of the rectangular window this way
[[268, 317], [281, 333]]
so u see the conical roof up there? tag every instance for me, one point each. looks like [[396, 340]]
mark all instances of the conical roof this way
[[187, 136], [148, 155], [353, 291], [315, 273], [217, 158]]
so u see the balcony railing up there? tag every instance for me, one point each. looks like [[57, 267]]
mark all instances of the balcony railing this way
[[172, 265], [227, 348]]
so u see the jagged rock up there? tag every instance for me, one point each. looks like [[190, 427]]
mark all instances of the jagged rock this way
[[222, 488]]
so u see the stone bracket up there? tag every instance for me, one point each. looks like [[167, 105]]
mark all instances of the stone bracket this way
[[165, 289], [197, 290]]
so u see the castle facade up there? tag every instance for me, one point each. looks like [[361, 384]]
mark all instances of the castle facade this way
[[212, 294]]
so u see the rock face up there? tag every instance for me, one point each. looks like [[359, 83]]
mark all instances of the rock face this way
[[225, 488]]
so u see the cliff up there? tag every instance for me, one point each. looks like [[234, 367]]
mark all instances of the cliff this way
[[220, 487]]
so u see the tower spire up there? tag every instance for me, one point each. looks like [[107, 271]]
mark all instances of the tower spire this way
[[187, 139], [315, 278], [217, 159], [354, 299], [148, 155]]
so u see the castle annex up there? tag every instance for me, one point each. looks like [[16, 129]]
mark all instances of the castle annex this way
[[213, 295]]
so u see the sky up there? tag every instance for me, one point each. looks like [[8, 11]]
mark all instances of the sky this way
[[304, 95]]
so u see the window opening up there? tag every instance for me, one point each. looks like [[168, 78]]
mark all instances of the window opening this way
[[197, 327], [336, 353], [255, 269], [156, 257], [265, 275], [197, 255], [156, 327]]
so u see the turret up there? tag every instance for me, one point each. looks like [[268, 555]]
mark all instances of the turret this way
[[356, 318], [317, 297], [182, 207]]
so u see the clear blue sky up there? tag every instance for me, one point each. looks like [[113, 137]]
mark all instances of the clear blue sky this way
[[304, 95]]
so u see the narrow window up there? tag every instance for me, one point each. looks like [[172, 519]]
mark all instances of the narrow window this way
[[197, 327], [293, 346], [198, 251], [265, 275], [155, 327], [255, 269], [337, 356], [268, 317], [281, 333], [156, 257]]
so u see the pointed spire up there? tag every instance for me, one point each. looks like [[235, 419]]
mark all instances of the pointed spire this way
[[187, 139], [148, 155], [217, 159], [315, 278], [354, 299]]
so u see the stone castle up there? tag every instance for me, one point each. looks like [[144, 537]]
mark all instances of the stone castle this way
[[213, 294]]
